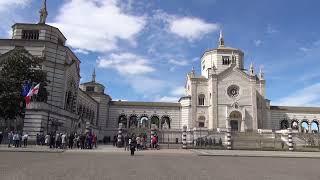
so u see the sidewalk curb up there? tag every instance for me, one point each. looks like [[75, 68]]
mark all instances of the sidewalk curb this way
[[271, 156], [31, 151]]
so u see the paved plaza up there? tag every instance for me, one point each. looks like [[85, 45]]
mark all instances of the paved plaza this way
[[152, 164]]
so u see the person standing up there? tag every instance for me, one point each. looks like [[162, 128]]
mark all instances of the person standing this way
[[63, 141], [47, 139], [126, 143], [94, 140], [25, 140], [10, 138], [52, 140], [71, 138], [1, 137]]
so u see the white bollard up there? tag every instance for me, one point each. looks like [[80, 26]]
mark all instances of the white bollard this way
[[290, 139], [184, 137], [229, 147]]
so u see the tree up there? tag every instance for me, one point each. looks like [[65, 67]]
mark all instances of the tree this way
[[16, 67]]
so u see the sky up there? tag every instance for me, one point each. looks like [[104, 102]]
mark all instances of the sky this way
[[143, 49]]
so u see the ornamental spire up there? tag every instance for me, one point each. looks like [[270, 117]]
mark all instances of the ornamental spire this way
[[94, 75], [251, 69], [261, 73], [221, 40], [43, 12]]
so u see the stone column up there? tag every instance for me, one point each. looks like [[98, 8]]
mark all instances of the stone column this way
[[242, 125], [228, 137], [184, 137], [299, 127], [227, 123], [309, 127], [290, 139], [119, 143]]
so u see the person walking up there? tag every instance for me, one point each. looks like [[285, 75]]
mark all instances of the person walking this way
[[133, 144], [10, 138], [52, 140], [94, 140]]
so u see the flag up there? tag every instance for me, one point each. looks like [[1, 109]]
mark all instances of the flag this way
[[32, 91], [25, 88]]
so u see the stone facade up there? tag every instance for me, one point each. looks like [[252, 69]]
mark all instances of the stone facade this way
[[224, 95]]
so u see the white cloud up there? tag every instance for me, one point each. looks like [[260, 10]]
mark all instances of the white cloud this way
[[126, 63], [81, 51], [178, 91], [167, 99], [271, 29], [6, 5], [97, 26], [257, 42], [191, 28], [178, 62], [308, 96]]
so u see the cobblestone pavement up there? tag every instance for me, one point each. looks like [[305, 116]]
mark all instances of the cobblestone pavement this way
[[151, 165]]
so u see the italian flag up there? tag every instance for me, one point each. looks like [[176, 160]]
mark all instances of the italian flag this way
[[33, 91]]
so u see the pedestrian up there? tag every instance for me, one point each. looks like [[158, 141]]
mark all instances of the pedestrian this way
[[71, 138], [25, 140], [94, 140], [126, 143], [138, 143], [114, 140], [37, 139], [15, 139], [10, 138], [47, 139], [1, 137], [52, 140], [133, 145], [63, 140]]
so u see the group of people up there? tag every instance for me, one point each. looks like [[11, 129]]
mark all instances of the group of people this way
[[53, 140], [16, 139], [74, 140]]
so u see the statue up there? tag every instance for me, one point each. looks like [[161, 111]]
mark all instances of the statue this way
[[43, 12]]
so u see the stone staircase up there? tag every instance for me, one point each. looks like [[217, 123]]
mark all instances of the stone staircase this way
[[256, 141]]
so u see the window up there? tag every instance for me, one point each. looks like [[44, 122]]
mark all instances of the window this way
[[226, 60], [30, 34], [201, 100], [90, 89], [203, 67]]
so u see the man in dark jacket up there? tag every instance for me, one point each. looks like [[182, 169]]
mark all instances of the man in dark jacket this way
[[133, 145]]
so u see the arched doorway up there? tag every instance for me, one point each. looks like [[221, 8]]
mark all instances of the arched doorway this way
[[133, 121], [295, 124], [235, 119], [284, 124], [165, 122], [304, 126], [144, 122], [315, 126], [123, 119], [155, 120]]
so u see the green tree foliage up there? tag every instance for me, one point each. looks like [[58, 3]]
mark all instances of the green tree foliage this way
[[16, 67]]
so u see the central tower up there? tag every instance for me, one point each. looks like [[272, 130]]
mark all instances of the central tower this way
[[219, 59]]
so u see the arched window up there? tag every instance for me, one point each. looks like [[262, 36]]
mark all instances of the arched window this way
[[123, 119], [201, 98]]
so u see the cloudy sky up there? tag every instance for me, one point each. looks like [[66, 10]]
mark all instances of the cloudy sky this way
[[143, 49]]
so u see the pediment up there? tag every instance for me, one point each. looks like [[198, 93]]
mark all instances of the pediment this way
[[234, 71]]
